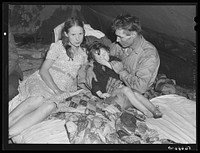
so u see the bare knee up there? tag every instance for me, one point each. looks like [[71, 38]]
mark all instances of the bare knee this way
[[49, 106]]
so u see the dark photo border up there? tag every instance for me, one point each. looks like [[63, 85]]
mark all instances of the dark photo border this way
[[77, 147]]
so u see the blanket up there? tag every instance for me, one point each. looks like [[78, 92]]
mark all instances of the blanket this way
[[81, 119]]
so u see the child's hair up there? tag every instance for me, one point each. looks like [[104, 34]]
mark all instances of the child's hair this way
[[70, 22], [94, 48]]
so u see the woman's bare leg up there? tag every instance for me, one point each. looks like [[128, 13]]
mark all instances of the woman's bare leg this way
[[24, 108], [32, 118]]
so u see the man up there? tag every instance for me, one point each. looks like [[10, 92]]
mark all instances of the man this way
[[139, 57], [15, 73]]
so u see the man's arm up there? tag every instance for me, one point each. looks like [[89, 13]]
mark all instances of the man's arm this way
[[141, 78]]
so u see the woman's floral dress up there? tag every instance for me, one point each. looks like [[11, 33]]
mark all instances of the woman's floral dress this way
[[63, 71]]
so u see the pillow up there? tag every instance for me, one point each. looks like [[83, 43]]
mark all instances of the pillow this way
[[89, 31]]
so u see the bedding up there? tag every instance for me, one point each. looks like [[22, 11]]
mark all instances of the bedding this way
[[89, 31], [85, 119]]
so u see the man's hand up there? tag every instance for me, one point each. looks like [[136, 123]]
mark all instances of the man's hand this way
[[89, 76], [102, 61], [116, 66]]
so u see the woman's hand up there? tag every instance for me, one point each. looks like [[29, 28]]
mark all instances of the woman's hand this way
[[60, 95], [89, 76]]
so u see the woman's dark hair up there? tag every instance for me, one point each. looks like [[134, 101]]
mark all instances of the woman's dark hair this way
[[73, 21], [127, 22], [94, 48]]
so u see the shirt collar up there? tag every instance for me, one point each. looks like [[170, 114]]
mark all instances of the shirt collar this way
[[135, 47]]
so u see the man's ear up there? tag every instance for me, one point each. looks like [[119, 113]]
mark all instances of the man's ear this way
[[134, 34]]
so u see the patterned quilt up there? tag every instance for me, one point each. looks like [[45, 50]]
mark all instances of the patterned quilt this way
[[89, 120]]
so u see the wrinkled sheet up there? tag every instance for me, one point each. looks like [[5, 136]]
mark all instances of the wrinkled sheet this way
[[73, 126], [179, 120]]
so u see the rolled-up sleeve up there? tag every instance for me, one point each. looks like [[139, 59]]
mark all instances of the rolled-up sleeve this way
[[143, 77]]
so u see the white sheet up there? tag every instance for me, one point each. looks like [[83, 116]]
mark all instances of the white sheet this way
[[46, 132], [178, 123], [179, 120]]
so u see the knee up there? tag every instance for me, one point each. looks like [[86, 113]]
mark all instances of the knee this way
[[50, 106]]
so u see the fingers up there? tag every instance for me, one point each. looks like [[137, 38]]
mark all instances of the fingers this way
[[89, 75], [88, 83], [112, 84]]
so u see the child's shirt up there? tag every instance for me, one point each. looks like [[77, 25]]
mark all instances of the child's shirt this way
[[103, 73]]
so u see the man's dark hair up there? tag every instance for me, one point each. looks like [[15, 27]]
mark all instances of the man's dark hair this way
[[127, 22]]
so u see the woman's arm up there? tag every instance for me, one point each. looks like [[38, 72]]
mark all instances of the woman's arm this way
[[47, 78], [90, 74]]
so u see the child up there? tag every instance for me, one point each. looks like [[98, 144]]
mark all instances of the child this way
[[104, 71]]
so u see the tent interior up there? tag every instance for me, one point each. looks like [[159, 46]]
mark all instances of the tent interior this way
[[170, 28]]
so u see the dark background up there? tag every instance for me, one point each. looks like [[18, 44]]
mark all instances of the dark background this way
[[169, 27]]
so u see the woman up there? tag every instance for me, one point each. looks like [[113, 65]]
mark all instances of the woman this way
[[57, 76], [104, 71]]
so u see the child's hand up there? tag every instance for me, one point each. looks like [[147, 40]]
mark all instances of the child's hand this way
[[105, 95]]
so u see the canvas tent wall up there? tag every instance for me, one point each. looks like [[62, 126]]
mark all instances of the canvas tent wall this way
[[169, 27]]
